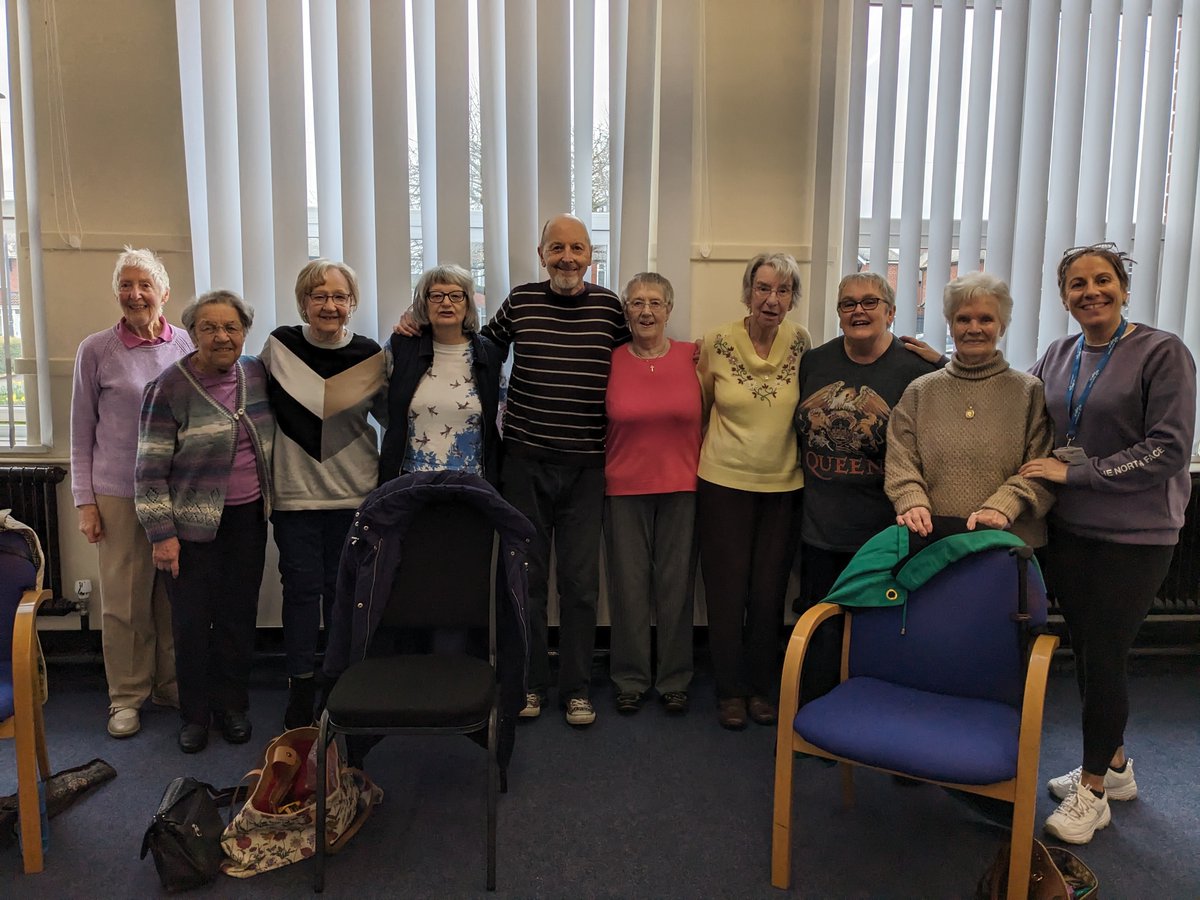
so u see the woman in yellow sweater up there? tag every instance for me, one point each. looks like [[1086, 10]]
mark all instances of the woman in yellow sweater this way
[[749, 484]]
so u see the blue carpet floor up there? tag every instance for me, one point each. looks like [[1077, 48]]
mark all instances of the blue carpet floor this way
[[641, 806]]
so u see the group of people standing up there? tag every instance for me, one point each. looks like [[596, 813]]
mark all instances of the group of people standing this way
[[611, 429]]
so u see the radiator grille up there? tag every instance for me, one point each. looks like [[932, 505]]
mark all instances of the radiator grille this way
[[30, 492], [1180, 592]]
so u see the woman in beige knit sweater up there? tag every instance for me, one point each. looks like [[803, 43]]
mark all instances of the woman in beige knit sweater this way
[[958, 436]]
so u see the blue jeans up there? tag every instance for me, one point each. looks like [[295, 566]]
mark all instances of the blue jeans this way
[[310, 548]]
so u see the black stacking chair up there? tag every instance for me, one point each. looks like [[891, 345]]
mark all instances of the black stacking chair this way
[[446, 580]]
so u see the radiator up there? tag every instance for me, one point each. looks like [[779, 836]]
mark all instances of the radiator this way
[[30, 492], [1180, 592]]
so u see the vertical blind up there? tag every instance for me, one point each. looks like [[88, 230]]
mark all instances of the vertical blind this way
[[996, 135], [501, 88]]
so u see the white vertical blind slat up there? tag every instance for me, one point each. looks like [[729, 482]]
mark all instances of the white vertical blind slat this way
[[676, 105], [289, 179], [357, 148], [583, 79], [618, 18], [945, 149], [520, 62], [217, 35], [979, 109], [322, 19], [187, 30], [254, 163], [553, 108], [818, 287], [425, 73], [1096, 148], [1152, 170], [855, 113], [1181, 236], [1130, 80], [1063, 186], [494, 151], [1030, 222], [916, 129], [1006, 137], [885, 130], [389, 93], [453, 143], [632, 229]]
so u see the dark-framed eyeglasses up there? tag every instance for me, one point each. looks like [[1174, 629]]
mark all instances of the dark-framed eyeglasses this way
[[436, 297], [1103, 247], [339, 298], [847, 304]]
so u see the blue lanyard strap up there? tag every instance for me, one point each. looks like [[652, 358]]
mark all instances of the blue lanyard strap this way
[[1076, 411]]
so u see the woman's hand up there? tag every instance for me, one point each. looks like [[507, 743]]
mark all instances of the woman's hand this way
[[407, 325], [916, 519], [992, 518], [166, 556], [90, 525], [922, 349], [1047, 468]]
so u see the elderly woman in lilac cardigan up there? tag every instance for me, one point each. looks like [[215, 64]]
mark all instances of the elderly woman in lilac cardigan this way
[[111, 371], [203, 494]]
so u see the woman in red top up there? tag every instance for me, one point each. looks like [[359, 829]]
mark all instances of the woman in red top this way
[[654, 410]]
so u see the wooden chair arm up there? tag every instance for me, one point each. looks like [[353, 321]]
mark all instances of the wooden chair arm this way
[[793, 661], [25, 645]]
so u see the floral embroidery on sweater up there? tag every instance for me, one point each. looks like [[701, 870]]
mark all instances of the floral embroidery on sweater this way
[[763, 390]]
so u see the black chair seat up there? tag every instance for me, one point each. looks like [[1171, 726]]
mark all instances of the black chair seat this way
[[424, 691]]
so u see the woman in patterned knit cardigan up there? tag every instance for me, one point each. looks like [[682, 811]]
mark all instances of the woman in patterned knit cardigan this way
[[202, 489], [958, 436]]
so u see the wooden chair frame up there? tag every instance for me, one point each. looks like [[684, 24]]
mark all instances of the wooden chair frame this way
[[27, 728], [1021, 791]]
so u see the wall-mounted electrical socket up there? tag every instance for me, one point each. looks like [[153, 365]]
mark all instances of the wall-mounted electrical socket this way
[[83, 588]]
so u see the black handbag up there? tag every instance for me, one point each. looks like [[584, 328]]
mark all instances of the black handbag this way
[[185, 834]]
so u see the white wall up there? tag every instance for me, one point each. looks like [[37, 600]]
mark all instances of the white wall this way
[[119, 75]]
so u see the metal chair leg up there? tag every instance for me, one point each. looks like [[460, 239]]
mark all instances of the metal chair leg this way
[[493, 778], [322, 780]]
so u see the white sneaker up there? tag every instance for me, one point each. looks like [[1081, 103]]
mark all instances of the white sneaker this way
[[1078, 817], [1117, 785], [533, 707], [124, 722], [580, 711]]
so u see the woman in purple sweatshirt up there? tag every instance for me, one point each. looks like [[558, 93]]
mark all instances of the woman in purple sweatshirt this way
[[1123, 399], [111, 371]]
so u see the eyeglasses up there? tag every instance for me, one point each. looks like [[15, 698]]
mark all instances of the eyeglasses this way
[[654, 305], [765, 290], [208, 329], [338, 298], [455, 297], [1103, 246], [867, 303]]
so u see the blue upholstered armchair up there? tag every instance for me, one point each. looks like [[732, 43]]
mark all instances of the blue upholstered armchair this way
[[948, 688]]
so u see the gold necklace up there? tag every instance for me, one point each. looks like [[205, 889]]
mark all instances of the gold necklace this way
[[654, 354]]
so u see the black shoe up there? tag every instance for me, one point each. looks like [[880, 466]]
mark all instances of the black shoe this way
[[302, 696], [628, 702], [193, 738], [675, 702], [235, 727]]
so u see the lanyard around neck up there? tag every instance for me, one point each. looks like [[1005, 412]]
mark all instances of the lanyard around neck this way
[[1076, 411]]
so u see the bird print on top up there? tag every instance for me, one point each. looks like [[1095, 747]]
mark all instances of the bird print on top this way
[[445, 416]]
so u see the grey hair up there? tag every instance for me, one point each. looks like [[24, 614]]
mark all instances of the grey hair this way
[[220, 298], [313, 275], [146, 260], [654, 280], [877, 281], [973, 285], [446, 273], [783, 263]]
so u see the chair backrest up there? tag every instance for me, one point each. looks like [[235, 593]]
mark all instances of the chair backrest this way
[[17, 575], [446, 569], [959, 637]]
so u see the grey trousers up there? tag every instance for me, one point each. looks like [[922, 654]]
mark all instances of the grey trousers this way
[[651, 567]]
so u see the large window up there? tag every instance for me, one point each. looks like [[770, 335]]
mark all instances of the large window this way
[[996, 135], [397, 135]]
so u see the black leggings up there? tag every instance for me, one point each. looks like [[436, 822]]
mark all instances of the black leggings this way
[[1104, 591]]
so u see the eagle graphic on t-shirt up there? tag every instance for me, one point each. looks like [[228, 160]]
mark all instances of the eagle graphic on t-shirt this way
[[841, 419]]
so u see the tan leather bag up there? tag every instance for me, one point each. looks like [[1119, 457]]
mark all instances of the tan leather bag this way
[[1054, 874]]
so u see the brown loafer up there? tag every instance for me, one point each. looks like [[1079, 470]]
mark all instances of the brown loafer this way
[[763, 711], [731, 713]]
